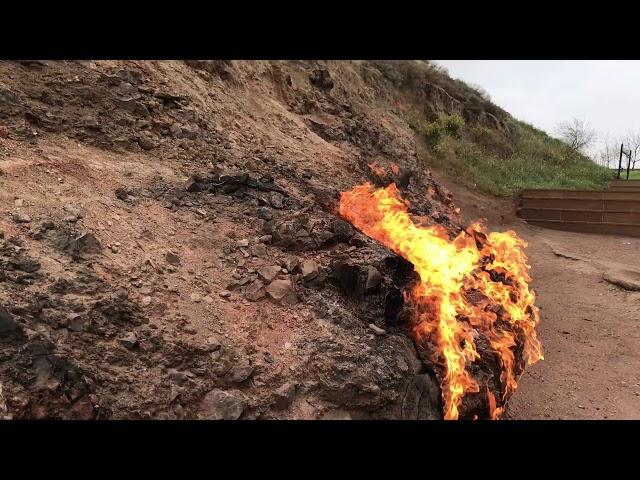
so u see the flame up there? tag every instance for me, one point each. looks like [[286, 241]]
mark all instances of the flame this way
[[490, 267]]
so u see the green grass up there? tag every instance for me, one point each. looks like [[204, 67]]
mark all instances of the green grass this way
[[503, 163], [633, 174]]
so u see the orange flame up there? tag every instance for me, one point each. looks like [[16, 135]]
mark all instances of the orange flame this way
[[492, 267]]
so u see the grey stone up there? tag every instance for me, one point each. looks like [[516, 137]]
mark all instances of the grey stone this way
[[374, 278], [241, 371], [132, 76], [309, 270], [177, 377], [264, 213], [281, 290], [221, 405], [292, 264], [147, 143], [255, 291], [276, 200], [283, 396], [25, 264], [190, 133], [194, 184], [172, 258], [88, 242], [422, 400], [21, 218], [234, 178], [175, 129], [76, 322], [130, 340], [627, 279], [213, 344], [377, 330], [268, 274], [122, 194]]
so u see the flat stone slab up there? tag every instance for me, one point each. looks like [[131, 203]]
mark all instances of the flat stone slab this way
[[627, 279]]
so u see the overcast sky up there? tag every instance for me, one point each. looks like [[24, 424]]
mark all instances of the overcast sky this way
[[606, 93]]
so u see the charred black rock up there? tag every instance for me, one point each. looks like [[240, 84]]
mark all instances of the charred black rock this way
[[347, 278], [393, 303], [321, 78], [195, 184], [7, 323]]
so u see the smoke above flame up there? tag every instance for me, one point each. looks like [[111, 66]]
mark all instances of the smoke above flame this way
[[470, 287]]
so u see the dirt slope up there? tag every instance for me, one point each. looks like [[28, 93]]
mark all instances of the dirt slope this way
[[132, 289]]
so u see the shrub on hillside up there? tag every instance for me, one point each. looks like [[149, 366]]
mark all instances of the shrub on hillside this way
[[434, 131], [503, 163], [452, 124]]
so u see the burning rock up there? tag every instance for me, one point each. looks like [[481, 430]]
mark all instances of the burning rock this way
[[444, 319]]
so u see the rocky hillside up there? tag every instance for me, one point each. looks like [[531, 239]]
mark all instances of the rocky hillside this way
[[170, 248]]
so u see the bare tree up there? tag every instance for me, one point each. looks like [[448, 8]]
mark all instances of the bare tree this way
[[609, 155], [578, 134], [632, 141]]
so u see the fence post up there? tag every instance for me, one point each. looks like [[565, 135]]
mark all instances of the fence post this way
[[629, 164], [620, 163]]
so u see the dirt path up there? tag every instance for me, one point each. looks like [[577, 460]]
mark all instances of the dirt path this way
[[589, 327]]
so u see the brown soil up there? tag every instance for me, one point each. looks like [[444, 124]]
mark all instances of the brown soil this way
[[589, 327]]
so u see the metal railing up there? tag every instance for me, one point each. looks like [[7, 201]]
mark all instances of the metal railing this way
[[622, 152]]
